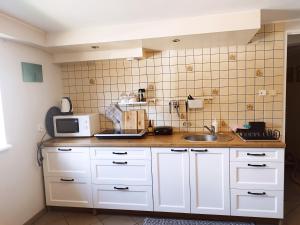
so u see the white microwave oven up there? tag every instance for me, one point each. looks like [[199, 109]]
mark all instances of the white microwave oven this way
[[77, 125]]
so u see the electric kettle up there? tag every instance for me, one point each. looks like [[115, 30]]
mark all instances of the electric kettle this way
[[66, 106]]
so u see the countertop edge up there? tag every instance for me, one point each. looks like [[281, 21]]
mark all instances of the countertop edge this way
[[175, 140]]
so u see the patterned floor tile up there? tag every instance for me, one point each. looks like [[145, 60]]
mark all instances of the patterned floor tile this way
[[76, 218]]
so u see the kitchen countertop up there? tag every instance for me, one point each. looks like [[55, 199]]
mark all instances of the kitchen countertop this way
[[175, 140]]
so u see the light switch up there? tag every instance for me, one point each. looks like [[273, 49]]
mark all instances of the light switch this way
[[262, 92]]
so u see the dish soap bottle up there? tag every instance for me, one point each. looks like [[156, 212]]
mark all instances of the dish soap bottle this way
[[215, 125]]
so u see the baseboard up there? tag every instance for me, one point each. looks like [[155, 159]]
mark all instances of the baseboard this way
[[36, 217]]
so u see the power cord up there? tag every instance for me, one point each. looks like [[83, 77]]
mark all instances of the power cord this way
[[39, 155]]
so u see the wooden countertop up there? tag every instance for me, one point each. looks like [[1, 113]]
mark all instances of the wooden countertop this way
[[175, 140]]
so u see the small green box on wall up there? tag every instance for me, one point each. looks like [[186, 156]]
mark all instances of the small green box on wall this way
[[32, 72]]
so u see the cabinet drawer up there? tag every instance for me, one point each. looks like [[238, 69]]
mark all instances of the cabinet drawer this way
[[257, 203], [257, 154], [120, 153], [123, 197], [67, 161], [68, 191], [127, 172], [257, 175]]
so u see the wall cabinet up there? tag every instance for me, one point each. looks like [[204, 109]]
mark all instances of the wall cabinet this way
[[171, 190], [209, 178]]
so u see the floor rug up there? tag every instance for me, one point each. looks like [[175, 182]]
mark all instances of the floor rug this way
[[160, 221]]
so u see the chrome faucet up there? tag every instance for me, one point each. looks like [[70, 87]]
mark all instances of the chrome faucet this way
[[211, 130]]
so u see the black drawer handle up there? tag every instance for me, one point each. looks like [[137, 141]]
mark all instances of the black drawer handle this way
[[120, 163], [256, 154], [64, 149], [199, 150], [255, 193], [69, 180], [123, 188], [178, 150], [119, 153], [257, 165]]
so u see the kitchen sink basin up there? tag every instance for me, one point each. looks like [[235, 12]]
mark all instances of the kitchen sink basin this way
[[208, 137]]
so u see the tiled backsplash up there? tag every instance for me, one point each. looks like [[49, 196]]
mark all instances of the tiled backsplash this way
[[233, 75]]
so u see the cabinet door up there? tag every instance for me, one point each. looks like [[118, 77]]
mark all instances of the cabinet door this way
[[257, 175], [67, 161], [68, 191], [257, 203], [257, 154], [209, 175], [120, 153], [125, 197], [127, 172], [170, 169]]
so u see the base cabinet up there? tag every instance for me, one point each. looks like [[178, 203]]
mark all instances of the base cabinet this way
[[216, 181], [209, 178], [68, 191], [257, 203], [170, 171], [123, 197]]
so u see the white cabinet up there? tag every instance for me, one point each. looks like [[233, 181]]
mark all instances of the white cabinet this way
[[257, 154], [67, 191], [120, 153], [209, 178], [257, 175], [127, 197], [170, 169], [67, 175], [257, 203], [257, 182], [122, 178], [66, 161], [116, 171]]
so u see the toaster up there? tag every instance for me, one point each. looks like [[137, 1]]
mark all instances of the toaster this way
[[163, 130]]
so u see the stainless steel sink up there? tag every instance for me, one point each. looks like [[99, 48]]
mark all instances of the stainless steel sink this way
[[209, 137]]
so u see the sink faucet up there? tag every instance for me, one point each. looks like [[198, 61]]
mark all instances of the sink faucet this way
[[211, 130]]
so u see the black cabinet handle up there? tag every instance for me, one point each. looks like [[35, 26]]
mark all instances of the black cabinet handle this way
[[199, 150], [64, 149], [178, 150], [119, 153], [256, 154], [121, 163], [62, 179], [255, 193], [119, 188], [257, 165]]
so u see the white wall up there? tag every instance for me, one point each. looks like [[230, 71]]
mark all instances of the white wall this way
[[25, 105]]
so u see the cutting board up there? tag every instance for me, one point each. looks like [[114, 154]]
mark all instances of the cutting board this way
[[134, 119], [141, 119]]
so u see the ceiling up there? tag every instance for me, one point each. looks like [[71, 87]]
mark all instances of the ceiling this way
[[62, 15]]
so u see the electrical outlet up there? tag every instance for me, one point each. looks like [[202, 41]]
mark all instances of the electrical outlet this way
[[262, 92]]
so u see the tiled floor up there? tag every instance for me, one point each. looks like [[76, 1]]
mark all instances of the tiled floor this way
[[292, 213], [80, 218]]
